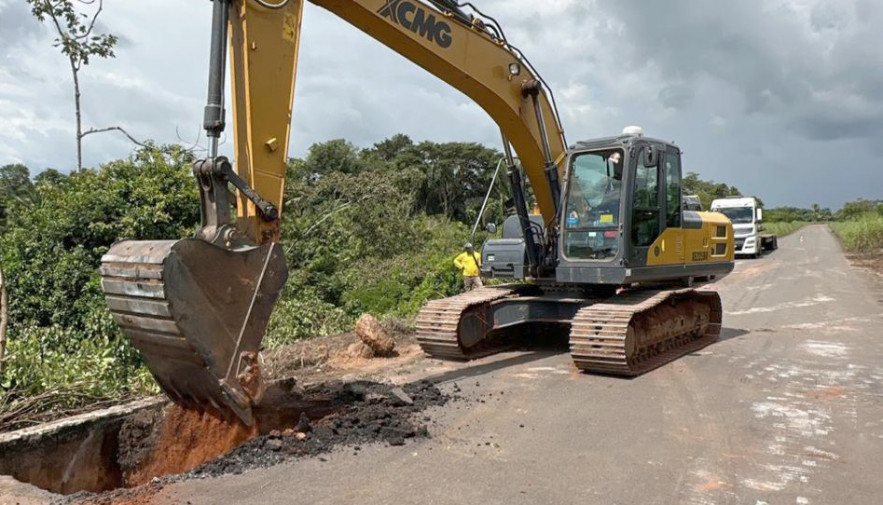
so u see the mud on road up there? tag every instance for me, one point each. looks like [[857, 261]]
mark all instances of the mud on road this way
[[365, 412]]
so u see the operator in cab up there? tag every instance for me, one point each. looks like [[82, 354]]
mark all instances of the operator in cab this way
[[469, 263], [593, 206], [608, 209]]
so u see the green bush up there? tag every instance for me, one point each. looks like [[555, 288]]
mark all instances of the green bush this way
[[49, 358], [863, 235], [61, 335], [304, 315]]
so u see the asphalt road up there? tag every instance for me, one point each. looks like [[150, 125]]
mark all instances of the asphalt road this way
[[786, 409]]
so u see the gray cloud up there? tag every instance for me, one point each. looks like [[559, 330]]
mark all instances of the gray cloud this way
[[15, 23], [676, 96], [776, 58], [760, 95]]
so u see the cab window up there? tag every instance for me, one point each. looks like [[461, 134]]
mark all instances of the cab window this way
[[592, 209], [645, 218], [672, 190]]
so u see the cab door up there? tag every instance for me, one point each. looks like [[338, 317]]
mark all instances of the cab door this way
[[647, 197], [673, 244]]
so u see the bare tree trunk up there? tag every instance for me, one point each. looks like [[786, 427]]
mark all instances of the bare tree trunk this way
[[4, 312], [75, 72]]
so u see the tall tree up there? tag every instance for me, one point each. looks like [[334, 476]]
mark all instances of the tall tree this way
[[15, 188], [74, 24], [337, 155], [708, 190]]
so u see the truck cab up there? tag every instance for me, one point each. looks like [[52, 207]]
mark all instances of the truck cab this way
[[747, 219]]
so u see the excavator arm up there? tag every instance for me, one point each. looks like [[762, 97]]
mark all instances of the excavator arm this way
[[197, 308], [467, 52]]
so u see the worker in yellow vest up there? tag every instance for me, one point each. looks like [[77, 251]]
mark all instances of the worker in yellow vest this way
[[469, 262]]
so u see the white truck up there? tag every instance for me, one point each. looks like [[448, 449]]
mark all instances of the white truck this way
[[747, 218]]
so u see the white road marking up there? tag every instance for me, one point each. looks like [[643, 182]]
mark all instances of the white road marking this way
[[826, 349], [809, 302]]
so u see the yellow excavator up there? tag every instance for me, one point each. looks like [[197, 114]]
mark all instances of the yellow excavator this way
[[612, 253]]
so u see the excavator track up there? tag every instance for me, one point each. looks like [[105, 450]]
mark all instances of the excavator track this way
[[637, 331], [440, 325]]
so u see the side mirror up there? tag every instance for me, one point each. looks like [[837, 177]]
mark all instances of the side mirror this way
[[760, 214], [491, 228], [650, 156]]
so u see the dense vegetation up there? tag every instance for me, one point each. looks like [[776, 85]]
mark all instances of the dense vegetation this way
[[860, 226], [375, 230], [707, 191], [55, 230]]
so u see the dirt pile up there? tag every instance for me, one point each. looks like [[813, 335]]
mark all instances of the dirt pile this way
[[142, 495], [366, 412]]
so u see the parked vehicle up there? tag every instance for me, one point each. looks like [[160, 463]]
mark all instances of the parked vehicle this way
[[747, 218]]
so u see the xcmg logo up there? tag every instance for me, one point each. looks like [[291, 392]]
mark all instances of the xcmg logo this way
[[418, 20]]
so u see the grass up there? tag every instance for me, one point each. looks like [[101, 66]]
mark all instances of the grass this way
[[784, 228], [863, 235]]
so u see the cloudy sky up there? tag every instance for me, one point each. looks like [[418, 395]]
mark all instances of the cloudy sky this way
[[782, 98]]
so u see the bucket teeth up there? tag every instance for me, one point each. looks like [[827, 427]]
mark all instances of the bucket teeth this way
[[197, 313]]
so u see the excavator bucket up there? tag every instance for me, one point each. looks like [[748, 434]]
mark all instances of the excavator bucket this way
[[197, 308], [197, 312]]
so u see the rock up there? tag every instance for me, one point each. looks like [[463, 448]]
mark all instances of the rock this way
[[360, 350], [303, 424], [374, 335], [401, 395]]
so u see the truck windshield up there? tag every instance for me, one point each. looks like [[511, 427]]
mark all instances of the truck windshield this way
[[738, 215], [591, 226]]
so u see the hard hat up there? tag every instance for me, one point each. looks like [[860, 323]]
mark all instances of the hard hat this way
[[468, 245]]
